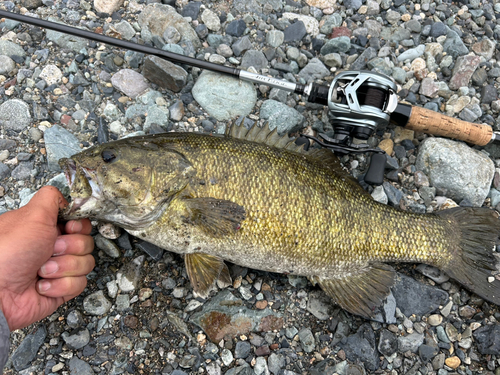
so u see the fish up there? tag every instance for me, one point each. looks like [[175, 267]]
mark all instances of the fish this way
[[256, 199]]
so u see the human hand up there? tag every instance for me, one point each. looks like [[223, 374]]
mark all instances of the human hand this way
[[42, 264]]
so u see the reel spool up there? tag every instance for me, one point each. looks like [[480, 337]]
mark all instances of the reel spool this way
[[359, 102]]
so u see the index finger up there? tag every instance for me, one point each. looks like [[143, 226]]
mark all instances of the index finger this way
[[82, 226]]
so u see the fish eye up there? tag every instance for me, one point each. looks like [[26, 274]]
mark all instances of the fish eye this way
[[108, 156]]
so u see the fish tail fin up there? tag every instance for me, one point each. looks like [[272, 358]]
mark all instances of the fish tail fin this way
[[473, 262]]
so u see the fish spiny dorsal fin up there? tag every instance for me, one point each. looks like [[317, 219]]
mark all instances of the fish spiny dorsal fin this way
[[253, 133], [292, 146]]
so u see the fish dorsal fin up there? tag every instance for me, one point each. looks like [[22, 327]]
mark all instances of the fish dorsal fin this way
[[362, 291]]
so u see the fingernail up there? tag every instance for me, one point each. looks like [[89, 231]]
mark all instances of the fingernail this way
[[76, 227], [50, 267], [60, 246], [44, 285]]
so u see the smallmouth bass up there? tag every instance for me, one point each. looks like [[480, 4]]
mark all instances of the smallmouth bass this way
[[256, 199]]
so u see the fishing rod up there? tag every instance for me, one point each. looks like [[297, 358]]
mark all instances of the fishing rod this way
[[358, 101]]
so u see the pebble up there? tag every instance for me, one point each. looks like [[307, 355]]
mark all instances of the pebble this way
[[129, 82], [80, 367], [435, 320], [452, 362], [76, 339], [129, 275], [108, 246], [15, 115], [164, 73], [307, 340], [28, 349], [96, 303]]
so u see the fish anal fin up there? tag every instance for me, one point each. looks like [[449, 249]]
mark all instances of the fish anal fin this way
[[361, 292], [215, 217], [203, 270]]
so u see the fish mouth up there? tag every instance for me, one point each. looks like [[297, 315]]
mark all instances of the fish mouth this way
[[83, 188]]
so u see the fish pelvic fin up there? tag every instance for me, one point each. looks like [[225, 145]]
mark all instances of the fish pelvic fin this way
[[204, 270], [215, 217], [362, 291], [472, 262]]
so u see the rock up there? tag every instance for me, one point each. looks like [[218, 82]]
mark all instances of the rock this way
[[314, 70], [79, 367], [452, 362], [367, 55], [107, 6], [295, 32], [321, 4], [125, 29], [27, 350], [413, 297], [410, 342], [74, 319], [241, 46], [157, 115], [435, 320], [388, 344], [7, 65], [427, 352], [4, 171], [59, 144], [254, 58], [224, 97], [158, 17], [379, 195], [108, 246], [236, 28], [51, 74], [129, 82], [412, 53], [464, 173], [341, 44], [66, 41], [218, 320], [320, 305], [394, 195], [242, 349], [488, 339], [281, 116], [122, 302], [191, 9], [333, 60], [454, 46], [96, 304], [310, 23], [153, 251], [361, 347], [275, 38], [15, 115], [433, 273], [438, 29], [484, 48], [8, 48], [22, 171], [463, 70], [307, 340], [129, 274], [77, 338], [211, 20]]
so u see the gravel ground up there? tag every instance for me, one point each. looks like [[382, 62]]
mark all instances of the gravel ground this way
[[59, 94]]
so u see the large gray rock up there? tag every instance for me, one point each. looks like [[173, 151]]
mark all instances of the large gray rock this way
[[59, 143], [460, 171], [9, 48], [314, 70], [7, 65], [15, 115], [224, 97], [158, 17], [281, 116]]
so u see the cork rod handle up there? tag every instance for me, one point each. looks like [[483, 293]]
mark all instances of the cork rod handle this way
[[430, 122]]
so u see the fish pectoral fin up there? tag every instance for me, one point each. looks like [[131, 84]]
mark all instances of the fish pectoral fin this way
[[361, 292], [203, 270], [216, 217]]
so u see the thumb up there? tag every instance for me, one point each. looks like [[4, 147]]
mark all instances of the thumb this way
[[45, 205]]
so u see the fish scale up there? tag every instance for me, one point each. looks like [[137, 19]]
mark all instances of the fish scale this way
[[270, 205]]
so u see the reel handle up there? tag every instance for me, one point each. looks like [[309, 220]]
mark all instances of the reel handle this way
[[430, 122]]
